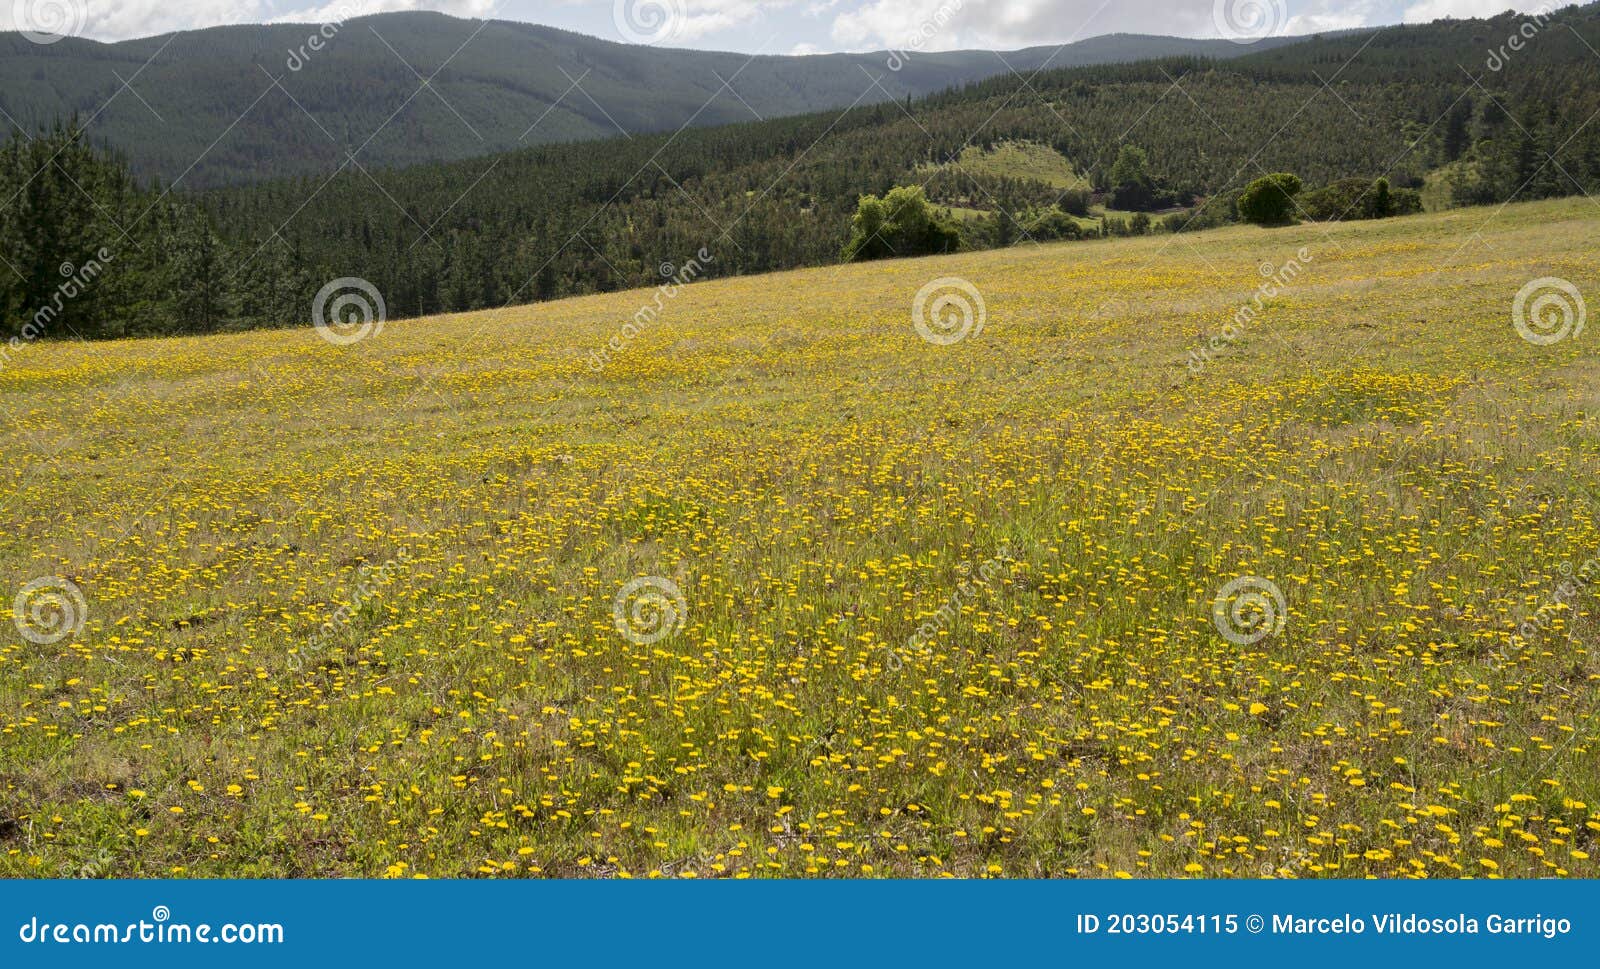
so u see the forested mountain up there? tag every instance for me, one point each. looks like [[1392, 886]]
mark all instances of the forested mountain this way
[[201, 106], [1415, 105]]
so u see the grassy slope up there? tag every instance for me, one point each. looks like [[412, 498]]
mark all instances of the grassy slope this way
[[1018, 159], [819, 481], [1437, 189], [1012, 159]]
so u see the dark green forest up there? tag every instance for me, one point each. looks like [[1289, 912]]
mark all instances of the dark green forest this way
[[1410, 105], [246, 103]]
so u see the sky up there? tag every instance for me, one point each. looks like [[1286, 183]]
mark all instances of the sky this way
[[781, 26]]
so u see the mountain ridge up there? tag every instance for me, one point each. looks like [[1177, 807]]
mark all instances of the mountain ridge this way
[[236, 104]]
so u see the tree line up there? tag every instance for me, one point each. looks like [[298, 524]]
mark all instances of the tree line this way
[[563, 220]]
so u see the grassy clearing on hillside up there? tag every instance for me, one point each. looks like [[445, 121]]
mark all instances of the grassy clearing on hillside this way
[[945, 609], [1439, 187], [1020, 159]]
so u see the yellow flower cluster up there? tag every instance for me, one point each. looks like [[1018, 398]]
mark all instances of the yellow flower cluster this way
[[913, 609]]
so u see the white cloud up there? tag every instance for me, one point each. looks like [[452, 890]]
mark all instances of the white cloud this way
[[664, 23], [953, 24], [1326, 15], [692, 20], [772, 26], [338, 10], [126, 18], [1430, 10]]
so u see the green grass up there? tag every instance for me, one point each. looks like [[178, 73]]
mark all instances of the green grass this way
[[968, 214], [1439, 183], [1021, 159], [946, 608]]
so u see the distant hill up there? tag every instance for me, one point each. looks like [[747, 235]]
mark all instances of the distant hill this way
[[209, 94], [1015, 162]]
